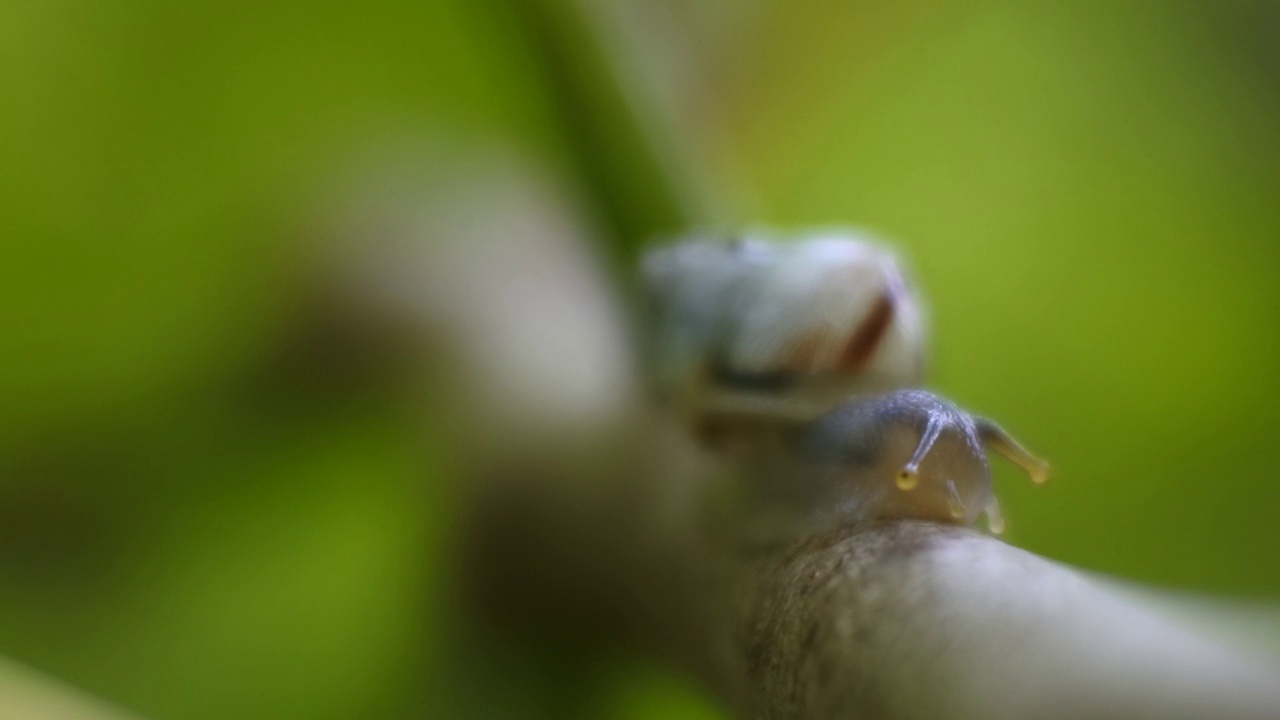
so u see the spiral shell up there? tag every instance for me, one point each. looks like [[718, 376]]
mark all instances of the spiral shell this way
[[812, 321]]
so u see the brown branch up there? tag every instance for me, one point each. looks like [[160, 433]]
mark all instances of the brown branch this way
[[913, 619]]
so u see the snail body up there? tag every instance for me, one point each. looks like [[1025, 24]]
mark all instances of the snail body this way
[[904, 454], [798, 360]]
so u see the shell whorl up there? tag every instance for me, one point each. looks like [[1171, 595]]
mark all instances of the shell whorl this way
[[831, 312]]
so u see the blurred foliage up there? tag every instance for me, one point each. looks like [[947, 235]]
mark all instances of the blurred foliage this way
[[1087, 191]]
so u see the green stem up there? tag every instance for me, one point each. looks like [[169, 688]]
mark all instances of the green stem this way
[[619, 163]]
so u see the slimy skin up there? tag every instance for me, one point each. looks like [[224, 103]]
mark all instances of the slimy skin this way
[[906, 454]]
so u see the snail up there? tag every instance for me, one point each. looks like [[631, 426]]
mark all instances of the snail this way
[[799, 359]]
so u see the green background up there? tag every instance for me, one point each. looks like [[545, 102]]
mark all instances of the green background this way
[[1087, 193]]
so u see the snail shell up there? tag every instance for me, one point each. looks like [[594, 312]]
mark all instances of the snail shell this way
[[757, 327]]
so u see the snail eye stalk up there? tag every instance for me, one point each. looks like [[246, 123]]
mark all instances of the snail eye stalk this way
[[909, 476], [995, 438]]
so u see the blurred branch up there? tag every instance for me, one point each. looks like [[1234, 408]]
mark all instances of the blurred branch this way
[[26, 694]]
